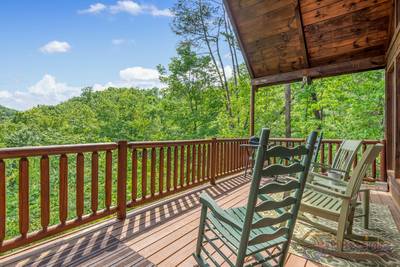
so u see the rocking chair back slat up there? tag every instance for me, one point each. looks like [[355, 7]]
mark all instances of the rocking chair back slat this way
[[275, 187], [271, 204], [345, 155], [282, 170]]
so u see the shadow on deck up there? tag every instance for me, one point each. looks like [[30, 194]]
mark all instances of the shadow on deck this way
[[162, 234]]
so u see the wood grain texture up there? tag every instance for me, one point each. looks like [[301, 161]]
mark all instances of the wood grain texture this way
[[164, 235], [279, 37]]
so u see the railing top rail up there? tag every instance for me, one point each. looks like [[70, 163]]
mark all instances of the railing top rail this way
[[337, 141], [151, 144], [21, 152]]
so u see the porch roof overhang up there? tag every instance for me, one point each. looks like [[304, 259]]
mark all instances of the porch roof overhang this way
[[286, 40]]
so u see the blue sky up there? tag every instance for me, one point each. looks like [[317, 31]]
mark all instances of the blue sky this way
[[50, 49]]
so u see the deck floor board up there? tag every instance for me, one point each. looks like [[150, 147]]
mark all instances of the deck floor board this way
[[162, 234]]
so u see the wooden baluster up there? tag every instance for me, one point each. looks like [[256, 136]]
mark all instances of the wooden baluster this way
[[330, 154], [80, 165], [199, 161], [235, 155], [286, 145], [144, 173], [134, 175], [322, 153], [182, 166], [63, 208], [226, 157], [3, 192], [212, 160], [374, 169], [153, 171], [161, 171], [188, 155], [203, 162], [44, 192], [121, 179], [108, 182], [175, 167], [168, 169], [194, 160], [209, 161], [382, 161], [217, 159], [23, 197], [220, 158], [95, 182]]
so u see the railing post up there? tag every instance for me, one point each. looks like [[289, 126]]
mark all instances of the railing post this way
[[383, 162], [213, 159], [121, 183]]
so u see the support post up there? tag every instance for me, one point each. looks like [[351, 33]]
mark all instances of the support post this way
[[252, 108], [122, 175]]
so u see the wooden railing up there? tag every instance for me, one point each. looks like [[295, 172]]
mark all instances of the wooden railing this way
[[61, 187], [57, 188], [329, 148]]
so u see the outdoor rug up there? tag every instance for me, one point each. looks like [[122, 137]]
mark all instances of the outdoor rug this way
[[386, 252]]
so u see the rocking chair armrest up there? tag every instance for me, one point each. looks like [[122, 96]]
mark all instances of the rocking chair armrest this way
[[325, 177], [217, 211], [327, 191], [329, 168]]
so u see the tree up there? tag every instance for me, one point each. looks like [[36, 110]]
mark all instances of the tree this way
[[205, 25], [189, 79]]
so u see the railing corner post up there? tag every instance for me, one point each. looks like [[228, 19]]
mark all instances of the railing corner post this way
[[383, 161], [213, 159], [122, 176]]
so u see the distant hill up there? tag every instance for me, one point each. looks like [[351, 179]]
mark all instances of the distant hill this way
[[6, 112]]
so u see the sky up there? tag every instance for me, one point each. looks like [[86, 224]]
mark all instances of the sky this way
[[50, 50]]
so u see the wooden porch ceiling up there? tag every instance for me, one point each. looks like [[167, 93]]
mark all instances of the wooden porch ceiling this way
[[285, 40]]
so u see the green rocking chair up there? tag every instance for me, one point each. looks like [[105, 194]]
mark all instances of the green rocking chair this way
[[252, 236]]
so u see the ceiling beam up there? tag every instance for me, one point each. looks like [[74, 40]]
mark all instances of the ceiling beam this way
[[358, 65], [302, 37]]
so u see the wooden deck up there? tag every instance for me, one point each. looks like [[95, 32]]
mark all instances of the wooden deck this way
[[161, 234]]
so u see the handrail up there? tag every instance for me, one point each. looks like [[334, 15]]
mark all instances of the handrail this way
[[19, 152], [141, 171]]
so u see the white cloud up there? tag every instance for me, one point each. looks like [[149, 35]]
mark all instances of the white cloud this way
[[5, 95], [130, 7], [55, 47], [228, 71], [139, 74], [160, 12], [133, 77], [93, 9], [47, 91]]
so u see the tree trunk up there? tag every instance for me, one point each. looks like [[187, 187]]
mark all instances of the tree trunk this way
[[288, 108]]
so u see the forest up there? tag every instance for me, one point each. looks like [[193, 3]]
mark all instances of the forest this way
[[202, 98]]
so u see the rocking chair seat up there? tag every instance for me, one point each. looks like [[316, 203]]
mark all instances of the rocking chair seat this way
[[327, 206], [231, 235]]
